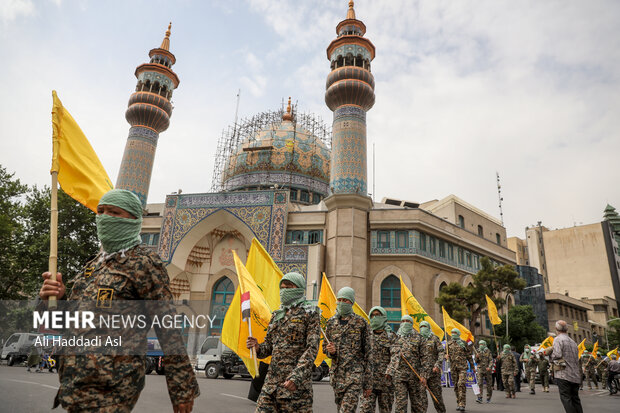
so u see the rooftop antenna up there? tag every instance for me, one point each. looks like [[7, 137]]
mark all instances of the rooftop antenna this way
[[499, 195]]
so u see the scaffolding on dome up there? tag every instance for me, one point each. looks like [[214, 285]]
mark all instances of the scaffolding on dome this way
[[246, 129]]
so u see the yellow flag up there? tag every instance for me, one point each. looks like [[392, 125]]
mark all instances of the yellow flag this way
[[595, 349], [614, 351], [449, 323], [548, 342], [410, 306], [492, 310], [267, 276], [581, 347], [80, 173]]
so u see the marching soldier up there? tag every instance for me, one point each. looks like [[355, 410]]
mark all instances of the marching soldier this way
[[484, 359], [602, 369], [459, 355], [382, 339], [589, 368], [530, 363], [431, 359], [349, 349], [405, 358], [543, 370], [123, 270], [509, 370], [292, 341]]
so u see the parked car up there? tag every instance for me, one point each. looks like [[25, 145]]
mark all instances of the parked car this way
[[17, 347], [216, 359]]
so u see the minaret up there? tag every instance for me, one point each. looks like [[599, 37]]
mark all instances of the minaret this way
[[148, 113], [350, 93]]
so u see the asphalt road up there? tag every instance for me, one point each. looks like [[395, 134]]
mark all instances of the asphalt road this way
[[34, 392]]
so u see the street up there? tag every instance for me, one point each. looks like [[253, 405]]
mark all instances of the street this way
[[34, 392]]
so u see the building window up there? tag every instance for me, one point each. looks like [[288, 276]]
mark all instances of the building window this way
[[314, 237], [450, 252], [498, 239], [561, 310], [297, 237], [480, 231], [402, 239], [468, 257], [383, 239], [422, 245], [476, 262], [316, 198], [442, 249], [293, 194], [390, 292], [461, 256], [461, 221], [304, 196], [432, 245], [223, 292]]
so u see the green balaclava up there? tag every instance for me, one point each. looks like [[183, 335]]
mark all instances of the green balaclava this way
[[345, 308], [116, 233], [456, 336], [425, 329], [378, 322], [291, 297], [482, 345], [506, 348], [405, 328]]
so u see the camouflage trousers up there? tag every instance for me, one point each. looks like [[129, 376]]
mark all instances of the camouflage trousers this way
[[347, 399], [509, 383], [126, 407], [604, 378], [531, 377], [434, 385], [385, 399], [404, 391], [481, 375], [591, 376], [459, 378], [544, 379], [268, 403]]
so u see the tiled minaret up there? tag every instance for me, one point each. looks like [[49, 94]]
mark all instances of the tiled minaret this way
[[350, 94], [148, 113]]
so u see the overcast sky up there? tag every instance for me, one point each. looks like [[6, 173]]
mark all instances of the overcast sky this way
[[530, 89]]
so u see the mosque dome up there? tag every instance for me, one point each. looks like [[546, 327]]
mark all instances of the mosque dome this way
[[282, 155]]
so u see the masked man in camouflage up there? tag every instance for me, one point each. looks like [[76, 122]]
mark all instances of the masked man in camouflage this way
[[382, 339], [602, 369], [292, 341], [431, 359], [459, 355], [349, 348], [405, 356], [543, 370], [509, 370], [123, 270], [484, 359], [530, 363], [589, 365]]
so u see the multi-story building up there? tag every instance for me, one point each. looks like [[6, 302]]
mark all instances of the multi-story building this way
[[533, 294], [571, 310]]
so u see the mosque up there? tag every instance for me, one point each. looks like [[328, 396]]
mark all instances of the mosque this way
[[302, 192]]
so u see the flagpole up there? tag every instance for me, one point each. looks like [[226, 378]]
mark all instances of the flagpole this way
[[495, 338], [53, 258], [252, 350]]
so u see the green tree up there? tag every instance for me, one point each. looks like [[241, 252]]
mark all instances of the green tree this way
[[613, 334], [522, 327], [469, 302]]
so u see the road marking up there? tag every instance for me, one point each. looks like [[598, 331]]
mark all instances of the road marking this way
[[32, 382], [236, 397]]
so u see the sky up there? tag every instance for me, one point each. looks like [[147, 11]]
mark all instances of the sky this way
[[464, 89]]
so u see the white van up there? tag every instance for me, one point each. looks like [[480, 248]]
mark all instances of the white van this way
[[17, 347]]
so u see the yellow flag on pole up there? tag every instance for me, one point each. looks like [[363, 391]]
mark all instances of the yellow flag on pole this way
[[548, 342], [595, 349], [614, 351], [410, 306], [80, 172], [492, 310], [267, 276], [449, 323], [581, 347]]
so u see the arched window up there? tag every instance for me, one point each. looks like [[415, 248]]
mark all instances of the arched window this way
[[314, 237], [480, 231], [390, 292], [461, 221], [297, 237], [223, 292], [442, 286]]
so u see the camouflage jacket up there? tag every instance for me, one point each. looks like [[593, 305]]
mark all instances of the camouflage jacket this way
[[431, 355], [531, 363], [97, 380], [351, 362], [406, 347], [293, 343], [509, 364], [588, 362], [602, 366], [380, 352], [543, 366], [459, 356], [484, 360]]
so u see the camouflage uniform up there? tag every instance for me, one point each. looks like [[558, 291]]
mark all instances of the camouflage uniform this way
[[510, 369], [459, 357], [589, 369], [485, 361], [602, 371], [382, 389], [431, 356], [350, 370], [530, 370], [543, 370], [406, 383], [113, 383], [293, 343]]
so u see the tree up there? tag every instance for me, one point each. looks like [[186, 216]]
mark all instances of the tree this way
[[469, 302], [613, 334], [522, 327]]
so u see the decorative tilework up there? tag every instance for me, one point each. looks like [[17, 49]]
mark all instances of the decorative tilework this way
[[286, 267], [352, 49], [137, 164], [296, 253], [270, 178], [278, 228], [352, 111], [348, 171]]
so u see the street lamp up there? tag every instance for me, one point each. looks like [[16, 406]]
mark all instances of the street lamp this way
[[526, 288]]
